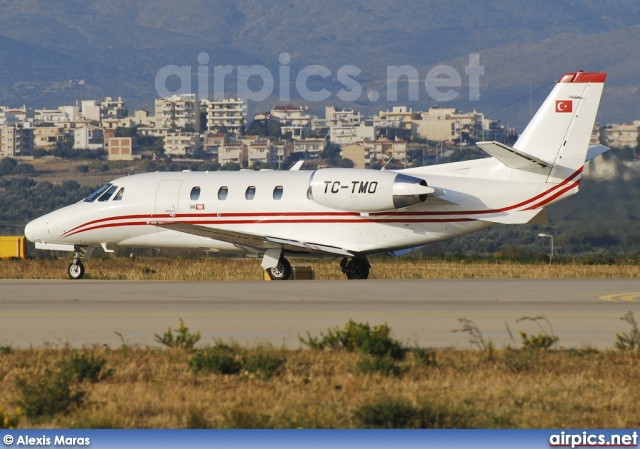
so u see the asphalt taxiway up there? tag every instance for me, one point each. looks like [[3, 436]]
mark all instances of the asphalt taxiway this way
[[581, 312]]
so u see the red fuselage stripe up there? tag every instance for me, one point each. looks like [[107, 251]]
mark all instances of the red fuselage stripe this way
[[88, 226]]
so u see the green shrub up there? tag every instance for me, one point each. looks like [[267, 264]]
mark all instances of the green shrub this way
[[374, 340], [424, 357], [220, 359], [47, 395], [400, 414], [81, 368], [630, 341], [537, 342], [6, 350], [519, 360], [183, 340], [264, 362], [378, 365], [243, 419]]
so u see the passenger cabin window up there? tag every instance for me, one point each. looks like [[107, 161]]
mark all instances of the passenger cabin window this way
[[250, 193], [309, 195], [277, 193], [106, 195], [118, 196], [195, 193], [223, 192], [91, 198]]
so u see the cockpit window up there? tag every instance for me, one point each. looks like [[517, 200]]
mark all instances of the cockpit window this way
[[195, 193], [118, 196], [91, 198], [105, 196]]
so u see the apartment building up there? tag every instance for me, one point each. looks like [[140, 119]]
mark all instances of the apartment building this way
[[309, 148], [233, 153], [16, 140], [449, 124], [293, 119], [12, 115], [229, 114], [62, 114], [181, 144], [398, 117], [113, 108], [620, 135], [385, 149], [347, 134], [88, 137], [178, 112], [358, 153], [47, 137], [261, 152], [211, 143]]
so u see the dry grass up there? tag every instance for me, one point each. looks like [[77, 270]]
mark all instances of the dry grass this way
[[156, 389], [211, 269]]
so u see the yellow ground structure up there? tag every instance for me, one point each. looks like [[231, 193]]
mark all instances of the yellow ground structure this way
[[13, 246]]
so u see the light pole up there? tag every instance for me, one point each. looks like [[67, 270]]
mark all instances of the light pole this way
[[551, 237]]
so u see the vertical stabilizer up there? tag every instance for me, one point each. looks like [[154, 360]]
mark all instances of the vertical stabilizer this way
[[560, 131]]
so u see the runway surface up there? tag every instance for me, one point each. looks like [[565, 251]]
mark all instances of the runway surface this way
[[425, 312]]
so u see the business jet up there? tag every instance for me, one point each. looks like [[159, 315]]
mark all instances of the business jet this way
[[339, 212]]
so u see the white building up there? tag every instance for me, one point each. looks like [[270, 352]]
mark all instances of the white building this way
[[113, 108], [344, 134], [178, 112], [620, 135], [62, 114], [229, 114], [181, 144], [293, 119], [88, 137], [309, 148]]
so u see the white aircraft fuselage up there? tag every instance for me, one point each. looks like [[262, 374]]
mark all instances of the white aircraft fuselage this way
[[347, 213]]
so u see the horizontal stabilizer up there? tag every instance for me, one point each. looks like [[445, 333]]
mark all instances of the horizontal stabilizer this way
[[511, 157], [536, 216], [595, 151]]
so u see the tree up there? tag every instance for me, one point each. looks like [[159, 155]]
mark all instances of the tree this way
[[84, 169]]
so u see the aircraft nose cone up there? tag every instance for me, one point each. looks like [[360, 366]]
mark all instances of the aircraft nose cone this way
[[35, 230]]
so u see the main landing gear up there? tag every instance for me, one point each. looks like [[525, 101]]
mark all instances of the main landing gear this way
[[281, 271], [76, 269], [356, 268]]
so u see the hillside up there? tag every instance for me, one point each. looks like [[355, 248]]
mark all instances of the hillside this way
[[60, 52]]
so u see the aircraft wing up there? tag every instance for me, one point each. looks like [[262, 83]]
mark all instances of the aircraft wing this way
[[256, 242]]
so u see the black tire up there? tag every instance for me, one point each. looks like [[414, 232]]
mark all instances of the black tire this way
[[357, 269], [280, 272], [76, 270]]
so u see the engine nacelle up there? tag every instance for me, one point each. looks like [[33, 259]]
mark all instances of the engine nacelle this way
[[358, 190]]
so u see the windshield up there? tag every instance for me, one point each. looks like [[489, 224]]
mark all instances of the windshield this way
[[91, 198]]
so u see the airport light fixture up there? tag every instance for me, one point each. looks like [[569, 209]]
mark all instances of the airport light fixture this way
[[551, 237]]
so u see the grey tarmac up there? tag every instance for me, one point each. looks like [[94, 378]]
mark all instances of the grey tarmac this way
[[582, 312]]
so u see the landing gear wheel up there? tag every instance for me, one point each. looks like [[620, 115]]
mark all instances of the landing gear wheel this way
[[357, 268], [280, 272], [76, 270]]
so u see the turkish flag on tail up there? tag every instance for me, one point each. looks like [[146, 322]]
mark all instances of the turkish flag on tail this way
[[564, 106]]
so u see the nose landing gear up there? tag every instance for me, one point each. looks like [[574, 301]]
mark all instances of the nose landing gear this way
[[76, 268]]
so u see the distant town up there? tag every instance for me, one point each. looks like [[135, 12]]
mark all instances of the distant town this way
[[183, 126]]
